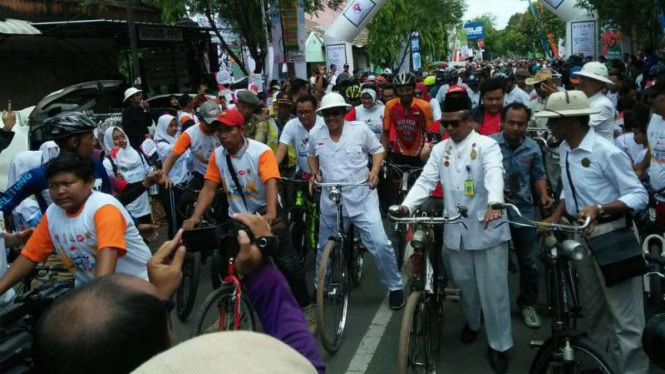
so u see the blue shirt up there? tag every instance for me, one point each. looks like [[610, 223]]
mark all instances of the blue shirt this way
[[34, 183], [523, 165]]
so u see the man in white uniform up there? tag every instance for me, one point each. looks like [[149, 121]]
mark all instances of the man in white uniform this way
[[338, 152], [593, 80], [599, 182], [470, 168]]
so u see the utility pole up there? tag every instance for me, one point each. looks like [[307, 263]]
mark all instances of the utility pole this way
[[136, 79]]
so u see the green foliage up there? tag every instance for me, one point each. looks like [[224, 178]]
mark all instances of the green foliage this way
[[390, 29], [635, 18]]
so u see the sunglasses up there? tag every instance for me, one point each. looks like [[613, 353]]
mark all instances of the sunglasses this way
[[447, 124], [334, 112]]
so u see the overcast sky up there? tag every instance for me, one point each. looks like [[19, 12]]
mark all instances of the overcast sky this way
[[501, 9]]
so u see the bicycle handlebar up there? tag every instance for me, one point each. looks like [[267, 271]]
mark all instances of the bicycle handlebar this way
[[540, 225], [392, 214], [342, 184], [654, 259], [296, 181]]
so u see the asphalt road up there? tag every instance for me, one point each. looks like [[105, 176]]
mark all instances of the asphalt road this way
[[370, 343]]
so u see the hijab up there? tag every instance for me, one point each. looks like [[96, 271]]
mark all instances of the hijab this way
[[126, 158], [50, 150], [160, 132], [371, 93]]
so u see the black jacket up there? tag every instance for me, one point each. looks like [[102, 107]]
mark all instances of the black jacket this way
[[135, 123]]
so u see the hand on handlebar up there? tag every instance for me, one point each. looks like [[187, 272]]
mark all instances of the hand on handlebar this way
[[190, 223], [166, 181], [373, 180], [546, 201], [592, 212], [491, 215], [312, 187], [398, 211]]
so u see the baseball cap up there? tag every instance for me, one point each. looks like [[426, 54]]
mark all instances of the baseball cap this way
[[656, 88], [248, 97], [231, 118], [209, 111], [574, 79]]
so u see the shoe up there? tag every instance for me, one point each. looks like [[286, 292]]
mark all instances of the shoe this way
[[498, 361], [396, 299], [310, 318], [467, 335], [531, 317]]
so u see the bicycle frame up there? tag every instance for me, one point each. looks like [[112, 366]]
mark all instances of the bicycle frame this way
[[232, 278]]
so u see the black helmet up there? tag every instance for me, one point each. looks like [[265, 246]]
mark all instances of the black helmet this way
[[440, 77], [66, 124], [450, 75], [653, 339], [404, 79], [506, 74]]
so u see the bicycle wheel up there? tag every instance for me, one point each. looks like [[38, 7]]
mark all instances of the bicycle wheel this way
[[656, 283], [418, 350], [355, 246], [186, 295], [297, 235], [585, 359], [217, 312], [401, 246], [332, 296]]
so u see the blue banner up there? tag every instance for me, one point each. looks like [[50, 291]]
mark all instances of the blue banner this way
[[474, 30], [415, 52]]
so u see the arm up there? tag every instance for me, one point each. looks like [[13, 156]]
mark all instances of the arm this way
[[261, 134], [206, 197], [538, 177], [385, 136], [493, 167], [106, 261], [282, 151], [541, 189], [110, 226], [642, 167], [179, 148], [20, 268], [31, 183], [271, 200], [426, 183], [37, 250]]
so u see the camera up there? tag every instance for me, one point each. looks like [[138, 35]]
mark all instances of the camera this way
[[210, 237]]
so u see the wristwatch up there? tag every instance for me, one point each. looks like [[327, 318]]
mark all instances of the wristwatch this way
[[267, 244], [600, 209]]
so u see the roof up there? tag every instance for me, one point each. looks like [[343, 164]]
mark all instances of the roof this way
[[17, 27]]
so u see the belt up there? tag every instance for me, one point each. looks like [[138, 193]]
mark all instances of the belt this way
[[608, 227]]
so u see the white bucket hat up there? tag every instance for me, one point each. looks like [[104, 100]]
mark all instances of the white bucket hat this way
[[131, 92], [595, 70], [567, 104], [333, 100]]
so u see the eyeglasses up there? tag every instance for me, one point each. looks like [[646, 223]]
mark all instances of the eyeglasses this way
[[333, 112], [304, 113]]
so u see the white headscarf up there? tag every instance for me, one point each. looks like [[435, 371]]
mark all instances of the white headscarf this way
[[160, 132], [126, 158], [371, 93], [50, 150]]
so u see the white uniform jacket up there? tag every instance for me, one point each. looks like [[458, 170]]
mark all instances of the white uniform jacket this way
[[476, 161]]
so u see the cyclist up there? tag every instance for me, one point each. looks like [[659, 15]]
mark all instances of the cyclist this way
[[370, 112], [469, 167], [333, 157], [352, 95], [512, 90], [91, 231], [449, 78], [253, 163], [599, 182], [407, 119], [524, 175]]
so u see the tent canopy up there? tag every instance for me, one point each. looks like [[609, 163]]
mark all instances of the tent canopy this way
[[10, 26]]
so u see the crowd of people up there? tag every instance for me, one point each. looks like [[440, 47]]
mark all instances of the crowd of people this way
[[466, 126]]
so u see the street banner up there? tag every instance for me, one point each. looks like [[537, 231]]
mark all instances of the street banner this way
[[583, 36], [415, 51], [610, 43], [474, 30]]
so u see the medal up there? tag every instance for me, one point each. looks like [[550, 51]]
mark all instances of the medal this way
[[469, 188], [446, 163], [474, 154], [586, 162]]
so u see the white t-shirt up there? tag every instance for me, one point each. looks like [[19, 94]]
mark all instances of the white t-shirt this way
[[141, 206], [102, 223], [626, 143], [603, 121], [436, 109], [656, 136], [372, 117], [179, 172], [297, 136], [517, 94]]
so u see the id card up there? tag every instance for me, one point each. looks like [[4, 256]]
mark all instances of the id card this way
[[469, 188]]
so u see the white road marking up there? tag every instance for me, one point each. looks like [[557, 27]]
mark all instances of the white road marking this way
[[369, 344]]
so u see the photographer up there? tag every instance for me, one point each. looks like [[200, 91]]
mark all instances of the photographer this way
[[122, 321]]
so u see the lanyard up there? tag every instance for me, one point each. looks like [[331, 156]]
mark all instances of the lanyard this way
[[570, 181]]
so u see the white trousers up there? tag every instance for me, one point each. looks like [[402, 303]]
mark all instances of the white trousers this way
[[482, 276], [613, 317], [373, 236]]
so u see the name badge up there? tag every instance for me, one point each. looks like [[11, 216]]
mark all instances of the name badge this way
[[469, 188]]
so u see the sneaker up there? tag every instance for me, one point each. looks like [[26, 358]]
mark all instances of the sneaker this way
[[310, 318], [531, 317], [467, 335], [396, 299], [498, 361]]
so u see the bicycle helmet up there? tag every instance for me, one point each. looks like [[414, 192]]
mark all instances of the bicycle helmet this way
[[404, 79], [353, 93], [653, 339], [439, 77], [450, 75], [381, 81], [66, 124], [505, 74]]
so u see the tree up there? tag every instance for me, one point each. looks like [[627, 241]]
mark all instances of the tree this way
[[638, 19], [391, 29], [249, 18]]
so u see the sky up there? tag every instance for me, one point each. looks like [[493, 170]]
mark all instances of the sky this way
[[501, 9]]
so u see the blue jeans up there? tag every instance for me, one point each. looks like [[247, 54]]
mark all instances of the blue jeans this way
[[525, 242]]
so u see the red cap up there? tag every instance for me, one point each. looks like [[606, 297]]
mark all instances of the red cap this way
[[231, 118], [456, 88]]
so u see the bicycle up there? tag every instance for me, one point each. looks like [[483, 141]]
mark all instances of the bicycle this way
[[303, 221], [419, 337], [566, 351], [233, 311], [341, 266], [407, 177]]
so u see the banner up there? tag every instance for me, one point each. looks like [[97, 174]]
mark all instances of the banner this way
[[415, 52], [474, 31], [583, 36], [336, 54], [566, 10], [610, 43], [355, 16]]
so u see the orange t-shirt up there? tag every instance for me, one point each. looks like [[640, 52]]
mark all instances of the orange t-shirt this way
[[408, 124]]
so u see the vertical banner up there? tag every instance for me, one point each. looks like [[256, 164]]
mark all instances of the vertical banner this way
[[583, 36], [276, 32], [610, 43], [415, 51], [336, 54]]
